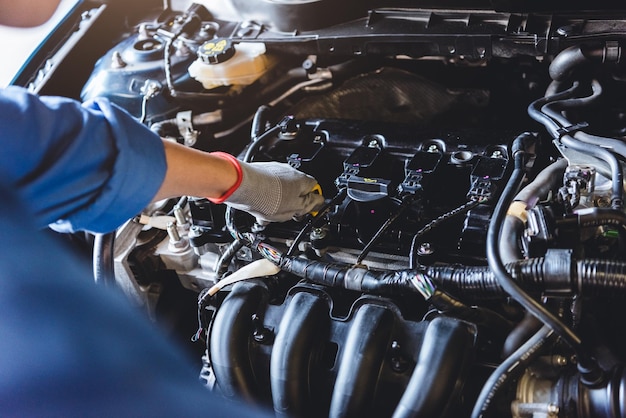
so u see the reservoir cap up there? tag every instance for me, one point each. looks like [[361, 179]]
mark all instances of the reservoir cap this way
[[216, 51]]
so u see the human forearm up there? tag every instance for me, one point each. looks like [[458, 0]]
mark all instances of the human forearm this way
[[191, 172], [271, 191]]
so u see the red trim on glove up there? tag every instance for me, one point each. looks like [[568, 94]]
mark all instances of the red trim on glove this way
[[235, 162]]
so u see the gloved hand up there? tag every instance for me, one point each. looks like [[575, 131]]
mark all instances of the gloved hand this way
[[271, 191]]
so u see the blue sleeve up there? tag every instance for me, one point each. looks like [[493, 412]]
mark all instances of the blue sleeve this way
[[78, 166], [69, 348]]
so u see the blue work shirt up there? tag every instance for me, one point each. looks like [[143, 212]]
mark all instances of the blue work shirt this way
[[69, 348], [78, 166]]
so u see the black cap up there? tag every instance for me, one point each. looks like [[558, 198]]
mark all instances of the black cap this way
[[216, 50]]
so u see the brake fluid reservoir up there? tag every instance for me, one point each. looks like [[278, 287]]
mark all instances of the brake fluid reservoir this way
[[220, 63]]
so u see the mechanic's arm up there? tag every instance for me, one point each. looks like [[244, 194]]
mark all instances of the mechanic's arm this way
[[191, 172], [93, 166], [270, 191]]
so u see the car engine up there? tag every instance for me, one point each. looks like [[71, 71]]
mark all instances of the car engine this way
[[470, 256]]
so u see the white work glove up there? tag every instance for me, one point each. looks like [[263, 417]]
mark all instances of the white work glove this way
[[274, 192]]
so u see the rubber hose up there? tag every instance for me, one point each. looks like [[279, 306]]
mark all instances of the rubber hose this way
[[545, 181], [510, 368], [587, 366], [477, 282], [570, 58], [513, 226]]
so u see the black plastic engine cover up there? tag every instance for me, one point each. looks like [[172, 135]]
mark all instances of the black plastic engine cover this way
[[382, 164]]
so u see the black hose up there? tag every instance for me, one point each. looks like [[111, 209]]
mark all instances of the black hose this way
[[510, 244], [524, 330], [259, 122], [588, 367], [565, 62], [573, 57], [586, 144], [472, 282], [103, 262], [545, 181], [254, 146], [167, 56], [540, 111], [578, 102], [509, 369], [339, 275], [513, 225], [593, 217], [534, 109]]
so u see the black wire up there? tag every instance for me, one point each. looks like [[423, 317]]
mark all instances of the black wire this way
[[433, 224], [368, 247], [167, 57], [144, 109], [221, 266], [313, 221]]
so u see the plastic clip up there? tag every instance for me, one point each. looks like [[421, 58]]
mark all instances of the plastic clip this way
[[567, 130]]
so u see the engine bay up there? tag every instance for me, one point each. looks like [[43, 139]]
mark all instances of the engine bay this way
[[470, 257]]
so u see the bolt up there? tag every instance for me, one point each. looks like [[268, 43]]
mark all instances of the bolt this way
[[603, 202], [425, 249], [150, 89], [176, 244], [117, 61], [182, 49], [143, 31], [172, 232], [260, 333], [288, 127], [398, 363], [179, 215], [566, 31], [432, 148], [373, 144], [208, 30], [496, 154]]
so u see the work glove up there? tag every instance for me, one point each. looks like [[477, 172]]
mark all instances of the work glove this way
[[272, 192]]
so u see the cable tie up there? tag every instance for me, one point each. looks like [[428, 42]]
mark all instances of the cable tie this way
[[567, 130]]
